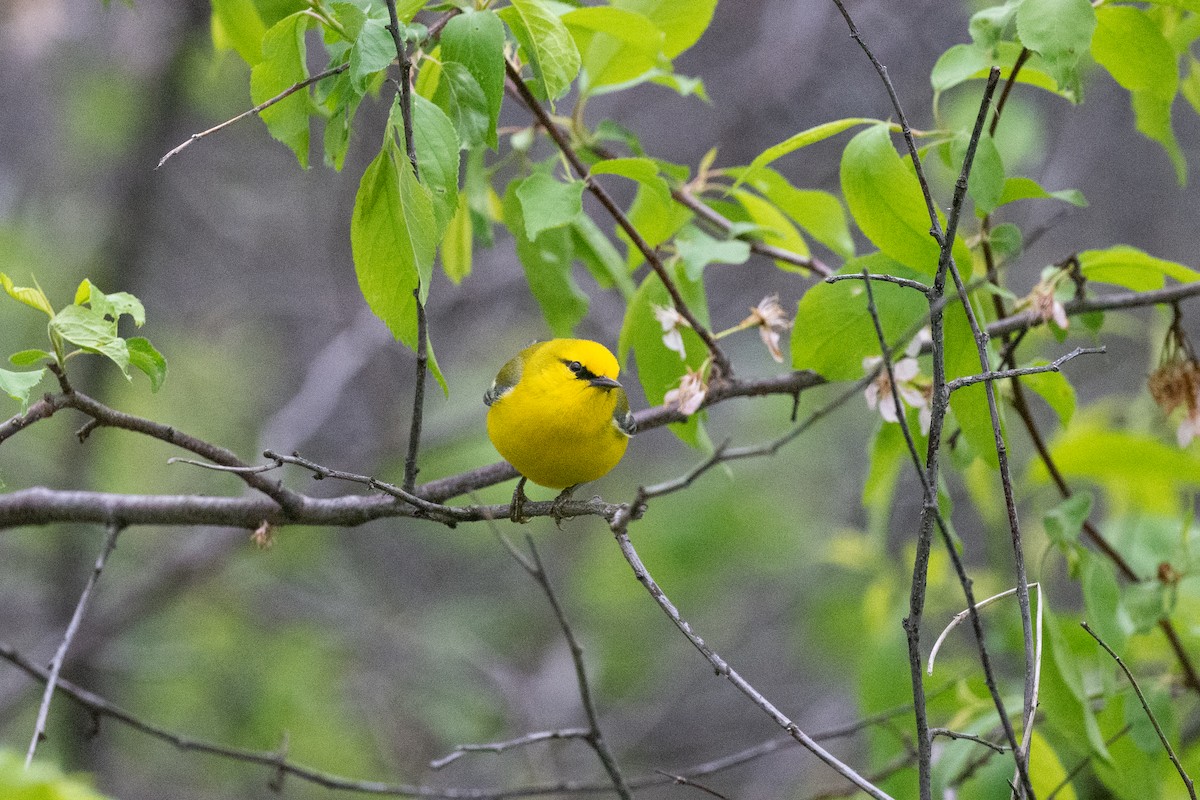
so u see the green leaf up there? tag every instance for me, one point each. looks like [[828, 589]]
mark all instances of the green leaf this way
[[1141, 729], [1102, 601], [600, 256], [774, 228], [819, 213], [113, 306], [802, 139], [1006, 241], [91, 331], [547, 203], [1065, 704], [481, 199], [660, 369], [373, 51], [642, 170], [682, 24], [1131, 46], [697, 250], [1046, 772], [436, 144], [1060, 31], [547, 258], [463, 100], [958, 64], [1133, 468], [393, 237], [434, 368], [1190, 86], [475, 39], [1021, 188], [18, 385], [885, 199], [457, 244], [833, 332], [33, 297], [1146, 603], [340, 101], [616, 45], [1065, 521], [237, 24], [26, 358], [1054, 388], [964, 62], [655, 219], [144, 357], [283, 66], [989, 25], [547, 45], [1134, 269]]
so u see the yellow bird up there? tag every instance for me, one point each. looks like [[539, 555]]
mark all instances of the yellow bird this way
[[557, 413]]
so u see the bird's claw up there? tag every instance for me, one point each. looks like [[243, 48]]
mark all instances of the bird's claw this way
[[556, 509]]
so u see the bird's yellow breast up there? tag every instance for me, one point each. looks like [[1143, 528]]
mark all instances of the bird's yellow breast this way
[[557, 429]]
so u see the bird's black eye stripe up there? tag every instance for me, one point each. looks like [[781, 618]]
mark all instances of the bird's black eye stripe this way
[[581, 372]]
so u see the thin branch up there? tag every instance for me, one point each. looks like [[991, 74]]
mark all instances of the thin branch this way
[[1110, 302], [998, 375], [704, 211], [930, 508], [1162, 737], [594, 737], [869, 276], [221, 468], [721, 667], [109, 417], [970, 737], [258, 109], [422, 349], [720, 361], [60, 655], [499, 747], [681, 780]]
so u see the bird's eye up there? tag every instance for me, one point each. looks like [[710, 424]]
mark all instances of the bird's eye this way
[[574, 366]]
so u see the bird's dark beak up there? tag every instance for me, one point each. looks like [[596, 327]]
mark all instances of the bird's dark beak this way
[[604, 382]]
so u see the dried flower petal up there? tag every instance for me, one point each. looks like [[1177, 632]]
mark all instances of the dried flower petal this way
[[772, 321], [689, 395]]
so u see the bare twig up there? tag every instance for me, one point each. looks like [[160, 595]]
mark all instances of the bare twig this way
[[248, 470], [930, 508], [593, 736], [499, 747], [1162, 737], [39, 728], [945, 240], [997, 375], [682, 780], [258, 109], [970, 737], [721, 667], [869, 276]]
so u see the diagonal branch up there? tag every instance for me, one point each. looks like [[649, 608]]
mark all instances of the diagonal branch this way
[[720, 361], [39, 728], [620, 528]]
